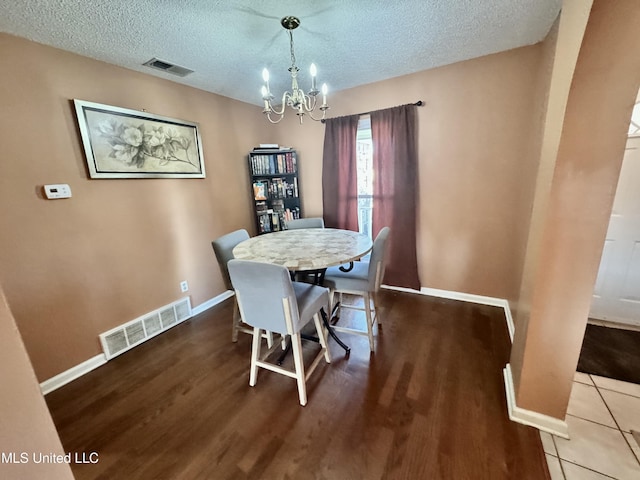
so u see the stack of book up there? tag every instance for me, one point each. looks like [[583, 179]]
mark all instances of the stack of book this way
[[273, 163]]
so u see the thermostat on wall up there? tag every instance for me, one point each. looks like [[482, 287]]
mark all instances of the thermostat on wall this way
[[61, 190]]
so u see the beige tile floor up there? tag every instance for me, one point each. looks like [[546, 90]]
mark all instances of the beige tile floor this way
[[601, 415]]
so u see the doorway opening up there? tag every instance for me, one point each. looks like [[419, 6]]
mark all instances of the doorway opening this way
[[616, 296]]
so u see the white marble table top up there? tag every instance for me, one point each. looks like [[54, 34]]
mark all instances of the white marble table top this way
[[305, 249]]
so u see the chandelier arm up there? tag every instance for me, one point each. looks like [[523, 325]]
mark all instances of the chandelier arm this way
[[283, 106], [268, 114], [309, 103], [324, 114]]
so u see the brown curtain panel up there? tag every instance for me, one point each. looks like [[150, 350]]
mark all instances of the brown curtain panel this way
[[339, 173], [395, 166]]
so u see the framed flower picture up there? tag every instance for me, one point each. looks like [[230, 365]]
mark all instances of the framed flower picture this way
[[122, 143]]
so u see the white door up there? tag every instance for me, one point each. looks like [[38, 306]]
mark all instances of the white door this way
[[616, 296]]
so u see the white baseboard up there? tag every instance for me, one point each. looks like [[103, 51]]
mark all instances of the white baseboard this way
[[67, 376], [464, 297], [400, 289], [212, 302], [552, 425], [480, 299], [73, 373]]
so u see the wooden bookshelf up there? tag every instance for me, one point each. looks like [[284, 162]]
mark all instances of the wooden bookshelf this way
[[275, 191]]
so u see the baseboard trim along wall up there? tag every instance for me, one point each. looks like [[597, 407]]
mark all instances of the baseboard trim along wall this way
[[85, 367], [211, 302], [471, 298], [464, 297], [70, 375], [517, 414]]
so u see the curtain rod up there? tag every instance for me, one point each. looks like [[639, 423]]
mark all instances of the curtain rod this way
[[419, 103]]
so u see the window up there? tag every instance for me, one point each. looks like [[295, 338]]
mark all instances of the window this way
[[364, 148]]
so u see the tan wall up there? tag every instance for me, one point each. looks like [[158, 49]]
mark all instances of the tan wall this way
[[25, 424], [117, 249], [579, 202], [478, 151]]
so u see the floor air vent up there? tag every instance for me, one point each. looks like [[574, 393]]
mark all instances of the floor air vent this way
[[120, 339]]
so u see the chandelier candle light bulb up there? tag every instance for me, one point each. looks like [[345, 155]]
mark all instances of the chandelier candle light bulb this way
[[313, 72], [266, 94], [265, 77], [303, 103]]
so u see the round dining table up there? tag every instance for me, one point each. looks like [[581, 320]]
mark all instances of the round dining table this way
[[307, 250]]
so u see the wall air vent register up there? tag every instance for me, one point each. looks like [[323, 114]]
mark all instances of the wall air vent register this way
[[124, 337]]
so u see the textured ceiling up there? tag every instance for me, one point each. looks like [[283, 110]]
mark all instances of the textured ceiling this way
[[228, 43]]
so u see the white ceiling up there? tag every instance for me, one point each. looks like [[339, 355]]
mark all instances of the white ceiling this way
[[228, 42]]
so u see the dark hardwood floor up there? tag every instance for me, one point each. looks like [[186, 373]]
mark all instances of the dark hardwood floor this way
[[429, 404]]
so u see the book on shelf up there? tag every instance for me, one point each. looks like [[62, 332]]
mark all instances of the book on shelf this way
[[282, 188], [278, 206], [260, 189], [274, 163], [271, 147], [264, 222], [275, 222], [261, 208], [291, 214]]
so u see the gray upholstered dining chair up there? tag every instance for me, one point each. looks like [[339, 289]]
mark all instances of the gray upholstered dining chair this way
[[270, 301], [363, 279], [299, 223], [311, 222], [223, 248]]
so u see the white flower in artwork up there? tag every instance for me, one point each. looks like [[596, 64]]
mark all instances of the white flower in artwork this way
[[132, 136], [124, 153], [108, 127], [156, 137], [133, 144]]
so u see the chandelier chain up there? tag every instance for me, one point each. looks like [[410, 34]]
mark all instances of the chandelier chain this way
[[293, 55]]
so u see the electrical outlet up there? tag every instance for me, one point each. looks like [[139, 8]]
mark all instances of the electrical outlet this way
[[184, 286]]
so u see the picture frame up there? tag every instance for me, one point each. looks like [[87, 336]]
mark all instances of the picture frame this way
[[124, 143]]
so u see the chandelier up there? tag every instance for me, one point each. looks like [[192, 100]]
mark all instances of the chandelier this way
[[302, 103]]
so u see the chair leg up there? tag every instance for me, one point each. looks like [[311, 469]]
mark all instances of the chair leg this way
[[322, 336], [269, 339], [255, 355], [299, 364], [374, 297], [367, 309], [236, 320]]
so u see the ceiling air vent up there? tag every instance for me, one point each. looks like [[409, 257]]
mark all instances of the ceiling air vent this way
[[167, 67]]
